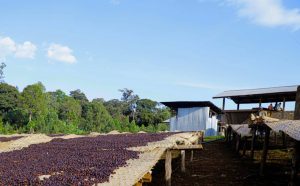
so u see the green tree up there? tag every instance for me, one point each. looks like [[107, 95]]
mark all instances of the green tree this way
[[146, 111], [35, 100], [97, 118], [115, 108], [17, 117], [9, 97], [69, 110], [78, 95], [150, 112], [129, 99], [55, 99], [2, 66]]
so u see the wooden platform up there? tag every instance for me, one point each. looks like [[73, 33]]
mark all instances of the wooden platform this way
[[136, 169]]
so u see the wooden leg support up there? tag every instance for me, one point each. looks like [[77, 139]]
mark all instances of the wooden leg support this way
[[253, 143], [244, 146], [295, 162], [237, 145], [283, 139], [168, 168], [192, 155], [229, 135], [265, 151], [182, 160]]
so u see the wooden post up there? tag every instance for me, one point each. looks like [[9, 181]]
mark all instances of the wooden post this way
[[168, 167], [237, 145], [229, 132], [244, 146], [238, 107], [297, 105], [182, 160], [223, 107], [295, 161], [234, 135], [265, 150], [259, 106], [296, 149], [283, 109], [253, 142], [192, 156], [283, 136]]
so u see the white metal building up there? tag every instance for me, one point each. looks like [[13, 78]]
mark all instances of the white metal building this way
[[194, 116]]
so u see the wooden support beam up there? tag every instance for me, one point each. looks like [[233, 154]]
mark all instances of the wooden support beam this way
[[238, 107], [297, 105], [253, 142], [244, 146], [295, 161], [234, 139], [237, 145], [283, 136], [192, 156], [296, 149], [168, 168], [229, 131], [283, 109], [259, 106], [223, 106], [188, 147], [265, 151], [182, 160]]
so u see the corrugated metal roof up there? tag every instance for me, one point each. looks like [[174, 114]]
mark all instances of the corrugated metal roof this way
[[190, 104], [259, 91]]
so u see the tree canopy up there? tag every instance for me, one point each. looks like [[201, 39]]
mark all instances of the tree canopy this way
[[36, 110]]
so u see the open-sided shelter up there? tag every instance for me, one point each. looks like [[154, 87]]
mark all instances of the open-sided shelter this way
[[252, 96]]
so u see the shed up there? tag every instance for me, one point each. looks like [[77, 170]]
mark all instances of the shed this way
[[194, 116], [259, 95]]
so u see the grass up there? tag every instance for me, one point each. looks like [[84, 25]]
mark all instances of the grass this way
[[211, 138]]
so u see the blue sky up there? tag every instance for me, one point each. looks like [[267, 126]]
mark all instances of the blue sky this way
[[162, 49]]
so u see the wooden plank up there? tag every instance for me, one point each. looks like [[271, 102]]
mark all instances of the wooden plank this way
[[168, 168], [188, 147], [265, 150], [182, 160]]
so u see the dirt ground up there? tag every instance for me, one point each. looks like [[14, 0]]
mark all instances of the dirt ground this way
[[217, 164]]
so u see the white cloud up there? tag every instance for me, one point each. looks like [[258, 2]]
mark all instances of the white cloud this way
[[9, 47], [61, 53], [25, 50], [271, 13]]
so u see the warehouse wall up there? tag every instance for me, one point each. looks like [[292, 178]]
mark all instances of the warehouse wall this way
[[194, 119]]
